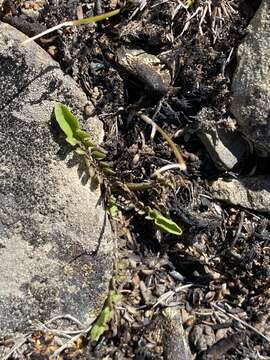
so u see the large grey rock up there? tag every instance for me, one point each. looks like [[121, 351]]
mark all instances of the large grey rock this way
[[47, 216], [251, 193], [251, 83]]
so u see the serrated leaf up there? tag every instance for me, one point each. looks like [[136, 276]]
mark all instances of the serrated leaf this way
[[164, 223], [67, 122]]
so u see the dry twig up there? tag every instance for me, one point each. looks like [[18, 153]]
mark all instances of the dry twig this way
[[244, 323]]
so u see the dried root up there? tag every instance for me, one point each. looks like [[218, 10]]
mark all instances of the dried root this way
[[213, 13]]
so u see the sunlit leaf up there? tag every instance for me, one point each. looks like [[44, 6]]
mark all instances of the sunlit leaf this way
[[80, 151], [67, 122], [101, 324], [112, 207], [189, 3], [82, 135], [164, 223]]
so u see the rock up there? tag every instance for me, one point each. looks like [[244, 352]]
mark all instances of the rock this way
[[147, 68], [47, 216], [252, 193], [197, 338], [31, 13], [174, 340], [27, 25], [251, 83], [226, 147]]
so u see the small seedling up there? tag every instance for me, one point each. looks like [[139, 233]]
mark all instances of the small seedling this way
[[94, 158], [80, 139]]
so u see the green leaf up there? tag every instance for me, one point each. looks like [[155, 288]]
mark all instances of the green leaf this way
[[112, 207], [94, 19], [98, 155], [105, 164], [189, 3], [108, 171], [101, 324], [82, 135], [164, 223], [67, 122], [80, 151], [85, 138]]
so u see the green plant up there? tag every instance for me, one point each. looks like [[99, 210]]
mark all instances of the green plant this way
[[106, 315], [189, 3], [79, 138], [162, 222], [112, 207], [94, 157]]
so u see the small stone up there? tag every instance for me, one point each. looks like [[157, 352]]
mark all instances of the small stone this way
[[197, 338], [251, 193], [226, 147], [32, 13], [221, 333], [147, 68]]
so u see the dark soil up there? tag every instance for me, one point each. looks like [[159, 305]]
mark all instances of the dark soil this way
[[223, 253]]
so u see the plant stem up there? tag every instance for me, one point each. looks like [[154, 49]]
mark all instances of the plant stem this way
[[177, 153], [89, 20]]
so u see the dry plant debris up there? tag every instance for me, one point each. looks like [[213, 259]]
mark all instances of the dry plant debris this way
[[216, 274]]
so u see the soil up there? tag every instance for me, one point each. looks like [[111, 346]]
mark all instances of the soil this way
[[223, 254]]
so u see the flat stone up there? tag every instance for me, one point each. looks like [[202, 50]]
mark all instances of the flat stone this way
[[48, 215], [251, 193], [251, 83], [226, 148]]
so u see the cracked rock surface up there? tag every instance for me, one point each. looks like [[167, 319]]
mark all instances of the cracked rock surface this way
[[251, 83], [48, 215]]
